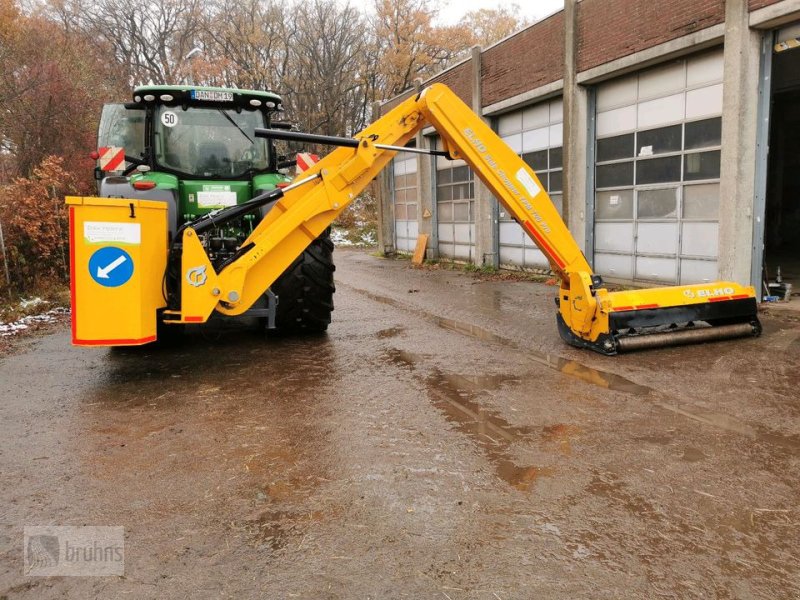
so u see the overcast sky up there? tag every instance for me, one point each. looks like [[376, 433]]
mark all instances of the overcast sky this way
[[451, 11]]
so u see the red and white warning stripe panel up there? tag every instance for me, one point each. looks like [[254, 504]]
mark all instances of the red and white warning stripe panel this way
[[305, 161], [112, 158]]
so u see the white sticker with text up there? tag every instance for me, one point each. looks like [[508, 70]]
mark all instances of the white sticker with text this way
[[102, 232], [528, 182]]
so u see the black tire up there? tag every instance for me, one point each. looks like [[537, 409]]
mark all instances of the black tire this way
[[305, 290]]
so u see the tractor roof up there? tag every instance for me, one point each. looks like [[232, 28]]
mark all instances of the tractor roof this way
[[179, 94]]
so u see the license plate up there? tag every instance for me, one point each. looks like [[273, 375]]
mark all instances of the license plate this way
[[212, 96], [216, 199]]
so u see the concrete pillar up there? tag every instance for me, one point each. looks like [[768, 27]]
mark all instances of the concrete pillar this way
[[739, 127], [425, 200], [383, 201], [575, 133], [485, 203]]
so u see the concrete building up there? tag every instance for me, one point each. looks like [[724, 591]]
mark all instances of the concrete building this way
[[666, 131]]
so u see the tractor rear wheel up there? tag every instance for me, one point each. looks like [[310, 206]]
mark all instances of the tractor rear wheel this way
[[305, 290]]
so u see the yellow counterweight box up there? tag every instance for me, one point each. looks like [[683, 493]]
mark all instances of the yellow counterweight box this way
[[118, 253]]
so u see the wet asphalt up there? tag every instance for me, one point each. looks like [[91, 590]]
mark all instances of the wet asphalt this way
[[439, 442]]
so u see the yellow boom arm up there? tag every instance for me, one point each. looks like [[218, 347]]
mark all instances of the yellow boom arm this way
[[589, 315]]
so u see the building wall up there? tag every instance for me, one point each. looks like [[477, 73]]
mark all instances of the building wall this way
[[457, 79], [756, 4], [540, 48], [611, 29], [658, 48]]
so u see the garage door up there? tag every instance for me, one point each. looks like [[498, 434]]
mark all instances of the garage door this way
[[657, 173], [455, 206], [404, 197], [535, 133]]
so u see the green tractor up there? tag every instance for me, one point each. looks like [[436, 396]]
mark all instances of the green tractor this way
[[195, 149]]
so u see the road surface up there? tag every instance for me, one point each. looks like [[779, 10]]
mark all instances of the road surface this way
[[439, 442]]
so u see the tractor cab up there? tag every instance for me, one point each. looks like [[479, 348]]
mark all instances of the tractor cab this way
[[209, 142], [192, 147], [192, 132]]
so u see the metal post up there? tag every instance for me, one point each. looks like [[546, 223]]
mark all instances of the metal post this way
[[762, 156], [5, 258], [591, 141]]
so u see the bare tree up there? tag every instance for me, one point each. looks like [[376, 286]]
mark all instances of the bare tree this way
[[149, 41], [326, 79], [248, 43]]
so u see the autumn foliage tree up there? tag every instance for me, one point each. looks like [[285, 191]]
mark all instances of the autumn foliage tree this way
[[35, 225], [486, 26], [409, 44], [52, 85]]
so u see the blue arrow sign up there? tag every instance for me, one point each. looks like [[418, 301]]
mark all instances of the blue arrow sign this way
[[110, 266]]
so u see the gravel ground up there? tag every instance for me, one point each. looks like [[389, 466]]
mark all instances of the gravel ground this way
[[439, 442]]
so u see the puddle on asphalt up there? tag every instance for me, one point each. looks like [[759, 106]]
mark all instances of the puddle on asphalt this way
[[692, 454], [273, 528], [277, 527], [242, 419], [560, 435], [390, 332], [600, 378], [611, 487], [454, 395], [571, 368]]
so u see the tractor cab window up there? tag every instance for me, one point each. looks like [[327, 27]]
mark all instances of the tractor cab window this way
[[123, 128], [209, 142]]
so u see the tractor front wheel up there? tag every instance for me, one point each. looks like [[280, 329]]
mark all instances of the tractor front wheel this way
[[305, 290]]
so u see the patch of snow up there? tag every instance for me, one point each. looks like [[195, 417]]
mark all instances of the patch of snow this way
[[32, 302], [340, 238], [13, 328]]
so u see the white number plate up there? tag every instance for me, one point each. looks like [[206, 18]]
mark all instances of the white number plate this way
[[216, 199], [212, 96]]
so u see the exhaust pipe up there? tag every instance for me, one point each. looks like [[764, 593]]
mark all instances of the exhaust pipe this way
[[686, 336]]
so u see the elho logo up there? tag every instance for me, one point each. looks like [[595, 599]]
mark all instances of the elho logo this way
[[709, 293], [196, 276]]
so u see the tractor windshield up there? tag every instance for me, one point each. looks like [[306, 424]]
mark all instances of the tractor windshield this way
[[209, 142]]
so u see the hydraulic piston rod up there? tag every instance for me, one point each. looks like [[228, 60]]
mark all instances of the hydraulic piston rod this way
[[331, 140]]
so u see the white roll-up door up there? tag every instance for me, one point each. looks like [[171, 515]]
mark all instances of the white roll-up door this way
[[536, 134], [405, 200], [657, 172], [455, 209]]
